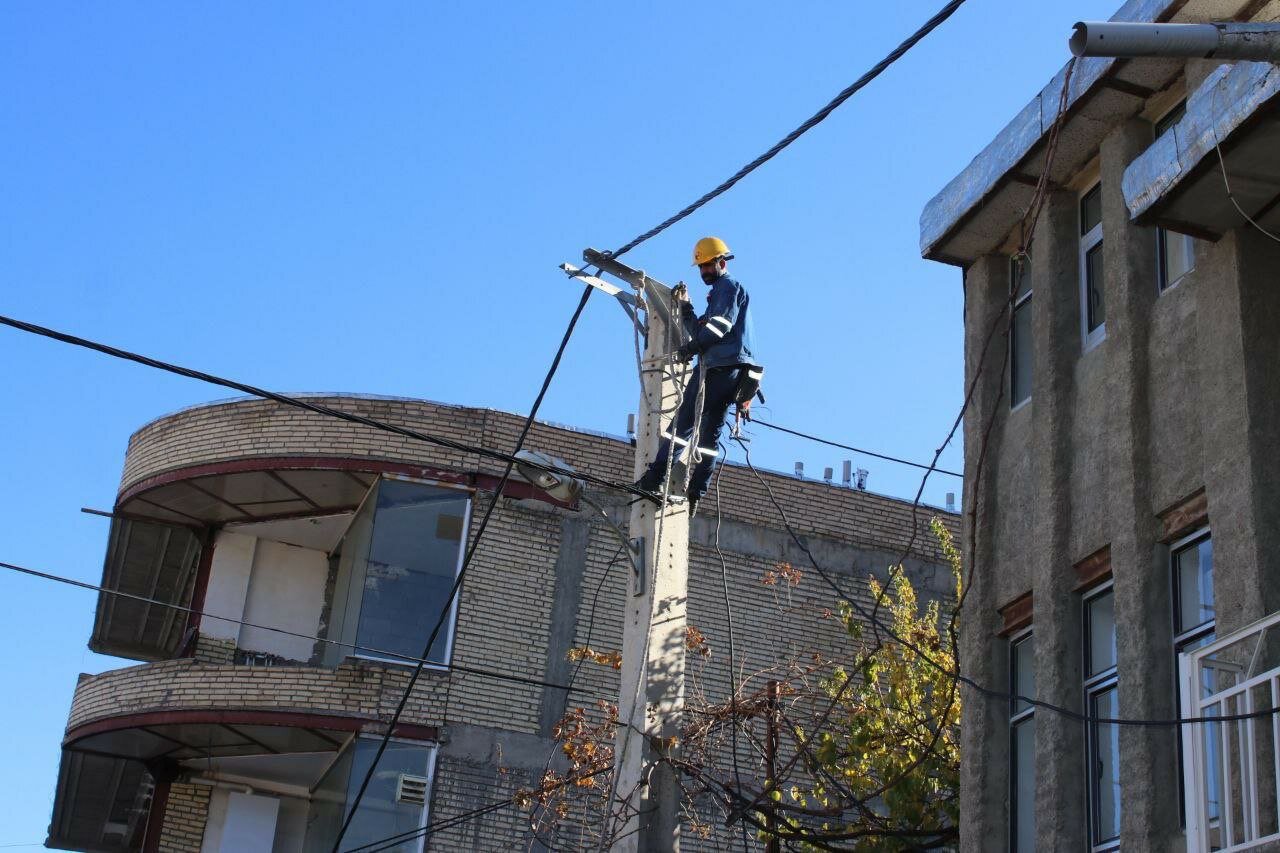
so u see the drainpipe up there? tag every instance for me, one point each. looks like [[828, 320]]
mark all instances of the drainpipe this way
[[1225, 41]]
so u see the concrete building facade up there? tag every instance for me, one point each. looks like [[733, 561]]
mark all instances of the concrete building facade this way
[[1125, 419], [228, 736]]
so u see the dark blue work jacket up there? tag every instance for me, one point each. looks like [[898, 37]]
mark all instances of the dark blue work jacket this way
[[723, 335]]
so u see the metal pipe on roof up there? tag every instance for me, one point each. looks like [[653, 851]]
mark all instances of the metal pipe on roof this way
[[1230, 41]]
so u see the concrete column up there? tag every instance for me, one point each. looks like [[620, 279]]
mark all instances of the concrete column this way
[[571, 559], [1149, 816], [984, 728], [1060, 790], [1238, 308], [1229, 475]]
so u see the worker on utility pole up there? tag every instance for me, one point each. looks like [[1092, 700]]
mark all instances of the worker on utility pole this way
[[728, 371]]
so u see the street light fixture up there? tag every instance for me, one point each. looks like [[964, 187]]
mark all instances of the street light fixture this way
[[555, 477]]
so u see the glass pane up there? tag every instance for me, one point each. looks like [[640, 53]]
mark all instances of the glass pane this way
[[1094, 286], [1101, 620], [1171, 118], [1194, 568], [1020, 371], [1104, 781], [1091, 209], [1024, 786], [380, 815], [325, 813], [1177, 256], [1020, 273], [1022, 667], [353, 554], [413, 560]]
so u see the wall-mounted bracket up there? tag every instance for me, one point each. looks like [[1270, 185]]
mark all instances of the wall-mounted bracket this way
[[636, 546]]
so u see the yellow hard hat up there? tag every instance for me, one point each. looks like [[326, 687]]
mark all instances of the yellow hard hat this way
[[708, 249]]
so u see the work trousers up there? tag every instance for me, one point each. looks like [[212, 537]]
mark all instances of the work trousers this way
[[722, 383]]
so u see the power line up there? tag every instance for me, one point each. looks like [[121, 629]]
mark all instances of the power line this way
[[502, 676], [316, 408], [876, 70], [986, 692], [466, 561], [391, 841], [831, 443]]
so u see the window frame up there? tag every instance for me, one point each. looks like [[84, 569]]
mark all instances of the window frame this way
[[1017, 718], [1163, 283], [1184, 641], [1095, 686], [1020, 303], [452, 623], [1088, 241], [352, 745]]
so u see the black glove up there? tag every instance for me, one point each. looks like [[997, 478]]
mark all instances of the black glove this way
[[686, 352]]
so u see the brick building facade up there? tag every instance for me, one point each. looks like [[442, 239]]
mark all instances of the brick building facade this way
[[278, 518]]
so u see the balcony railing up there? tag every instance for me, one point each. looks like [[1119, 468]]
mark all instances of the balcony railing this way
[[1231, 769]]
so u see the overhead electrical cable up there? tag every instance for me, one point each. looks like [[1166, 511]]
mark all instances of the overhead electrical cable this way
[[872, 453], [316, 408], [876, 70], [372, 650], [466, 563], [982, 689]]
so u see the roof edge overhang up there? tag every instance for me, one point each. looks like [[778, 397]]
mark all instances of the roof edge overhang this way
[[300, 719], [1221, 109], [948, 211]]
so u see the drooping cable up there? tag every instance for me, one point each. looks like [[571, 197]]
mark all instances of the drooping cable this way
[[871, 453], [982, 689], [876, 70], [733, 657], [316, 408], [466, 563], [372, 650]]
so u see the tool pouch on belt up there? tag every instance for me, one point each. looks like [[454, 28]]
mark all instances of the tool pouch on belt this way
[[749, 384]]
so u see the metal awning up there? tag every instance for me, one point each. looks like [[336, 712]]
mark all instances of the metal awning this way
[[153, 561], [250, 490], [1178, 181], [101, 804], [182, 735]]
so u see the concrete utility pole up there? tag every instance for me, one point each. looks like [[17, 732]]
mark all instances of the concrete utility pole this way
[[651, 698]]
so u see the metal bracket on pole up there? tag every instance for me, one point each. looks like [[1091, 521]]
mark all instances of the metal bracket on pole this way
[[636, 278], [637, 564], [626, 300]]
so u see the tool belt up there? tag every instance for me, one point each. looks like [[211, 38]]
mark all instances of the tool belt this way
[[749, 384]]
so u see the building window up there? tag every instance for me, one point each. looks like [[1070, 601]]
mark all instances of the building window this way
[[394, 804], [1020, 370], [1176, 253], [1093, 312], [395, 568], [1194, 620], [1022, 740], [1101, 701]]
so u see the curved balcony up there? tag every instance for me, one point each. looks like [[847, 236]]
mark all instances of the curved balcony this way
[[277, 730]]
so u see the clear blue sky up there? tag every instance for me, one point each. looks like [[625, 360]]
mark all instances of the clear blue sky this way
[[374, 198]]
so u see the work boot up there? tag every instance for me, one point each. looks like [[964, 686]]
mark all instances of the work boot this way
[[650, 481]]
